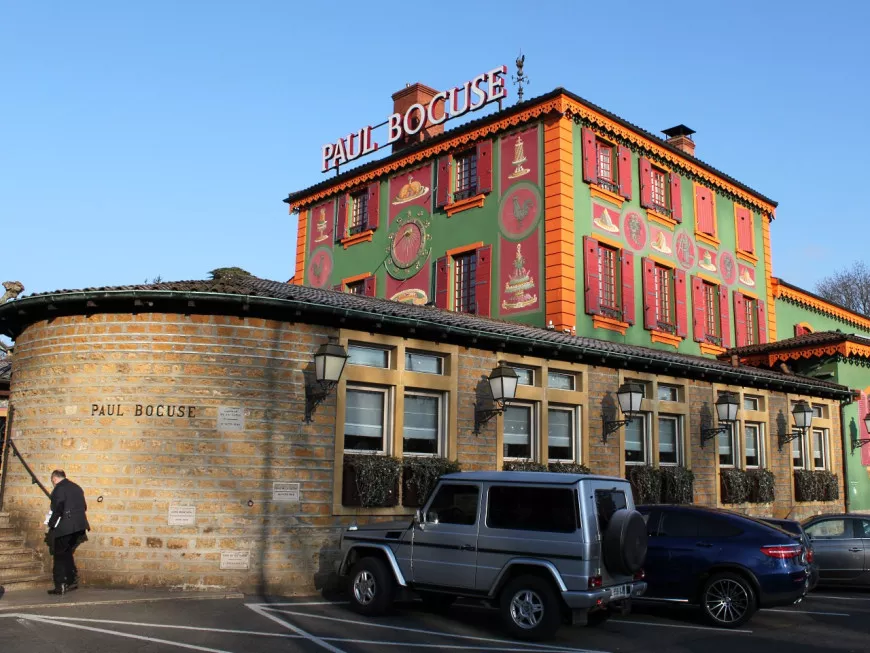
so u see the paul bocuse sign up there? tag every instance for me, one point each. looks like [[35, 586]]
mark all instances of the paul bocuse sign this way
[[452, 103]]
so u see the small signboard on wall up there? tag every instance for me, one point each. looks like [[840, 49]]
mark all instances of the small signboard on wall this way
[[285, 492], [231, 418], [181, 513], [235, 560]]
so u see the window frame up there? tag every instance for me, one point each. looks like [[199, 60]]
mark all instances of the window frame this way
[[610, 279], [825, 437], [465, 174], [423, 354], [575, 436], [386, 427], [760, 453], [666, 299], [569, 375], [646, 440], [359, 212], [736, 450], [678, 443], [465, 282], [441, 434], [355, 345], [665, 207], [534, 430], [610, 183]]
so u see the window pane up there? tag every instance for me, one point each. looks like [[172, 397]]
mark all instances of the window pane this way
[[668, 440], [532, 509], [818, 410], [425, 363], [750, 403], [819, 448], [797, 452], [364, 420], [464, 282], [752, 439], [829, 528], [560, 434], [518, 432], [607, 502], [635, 440], [560, 380], [525, 376], [420, 430], [726, 447], [668, 392], [368, 356], [455, 504]]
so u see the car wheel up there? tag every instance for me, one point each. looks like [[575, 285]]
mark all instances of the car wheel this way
[[371, 587], [529, 608], [728, 600], [437, 602], [597, 617]]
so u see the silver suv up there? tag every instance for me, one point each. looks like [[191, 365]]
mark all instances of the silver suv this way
[[544, 548]]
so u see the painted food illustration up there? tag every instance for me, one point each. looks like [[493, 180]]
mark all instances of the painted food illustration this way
[[410, 191]]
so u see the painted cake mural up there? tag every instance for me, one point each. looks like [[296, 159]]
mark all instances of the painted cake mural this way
[[519, 158], [320, 243], [408, 236]]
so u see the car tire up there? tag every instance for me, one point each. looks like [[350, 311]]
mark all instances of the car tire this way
[[530, 608], [625, 542], [371, 587], [728, 600], [437, 602]]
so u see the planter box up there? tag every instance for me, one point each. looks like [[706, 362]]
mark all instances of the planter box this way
[[350, 495]]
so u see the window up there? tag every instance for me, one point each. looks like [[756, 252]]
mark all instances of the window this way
[[607, 502], [546, 509], [607, 282], [368, 356], [727, 446], [751, 402], [705, 214], [606, 169], [711, 312], [670, 438], [829, 529], [359, 215], [424, 423], [561, 380], [464, 282], [798, 460], [562, 433], [751, 318], [820, 448], [753, 442], [664, 293], [636, 441], [862, 526], [644, 386], [820, 411], [424, 363], [466, 175], [519, 431], [365, 420], [525, 376], [357, 287], [668, 392], [659, 191], [455, 504]]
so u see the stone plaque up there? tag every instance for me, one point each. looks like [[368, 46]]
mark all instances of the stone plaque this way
[[235, 559], [285, 492], [231, 418], [181, 514]]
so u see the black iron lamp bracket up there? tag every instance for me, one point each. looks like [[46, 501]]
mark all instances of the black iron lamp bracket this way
[[482, 416], [712, 432], [315, 393], [859, 442], [612, 426], [785, 438]]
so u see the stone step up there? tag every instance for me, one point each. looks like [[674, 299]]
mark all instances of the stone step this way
[[28, 582], [14, 541], [17, 554], [8, 530], [10, 571], [5, 520]]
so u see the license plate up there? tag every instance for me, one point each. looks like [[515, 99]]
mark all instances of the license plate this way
[[620, 591]]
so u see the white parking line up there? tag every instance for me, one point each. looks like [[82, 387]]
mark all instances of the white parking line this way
[[316, 640], [838, 598], [787, 611], [655, 623], [228, 631]]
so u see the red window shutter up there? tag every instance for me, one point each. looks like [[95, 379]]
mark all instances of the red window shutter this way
[[645, 182], [724, 320], [442, 266], [680, 300], [483, 274], [649, 294], [627, 286], [341, 223], [740, 318], [676, 197], [374, 205], [590, 258], [442, 197], [590, 156], [484, 166], [744, 229], [704, 202], [800, 330], [761, 316], [370, 286], [699, 310], [624, 155]]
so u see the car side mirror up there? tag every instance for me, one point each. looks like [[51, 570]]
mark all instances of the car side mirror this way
[[431, 517]]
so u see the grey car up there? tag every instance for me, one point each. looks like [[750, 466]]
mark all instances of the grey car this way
[[841, 548], [544, 548]]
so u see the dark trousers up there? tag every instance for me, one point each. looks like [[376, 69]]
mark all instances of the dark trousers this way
[[65, 571]]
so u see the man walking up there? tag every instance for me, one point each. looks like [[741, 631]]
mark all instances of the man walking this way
[[67, 524]]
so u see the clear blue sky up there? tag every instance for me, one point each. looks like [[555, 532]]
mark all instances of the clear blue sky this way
[[159, 138]]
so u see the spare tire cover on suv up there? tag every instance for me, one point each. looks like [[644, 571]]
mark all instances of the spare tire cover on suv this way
[[624, 542]]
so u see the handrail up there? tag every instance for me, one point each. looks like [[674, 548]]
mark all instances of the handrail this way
[[6, 436], [6, 446], [33, 479]]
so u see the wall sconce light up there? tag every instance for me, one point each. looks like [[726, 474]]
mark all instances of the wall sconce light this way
[[503, 386], [629, 397], [329, 362], [726, 414], [803, 419], [857, 443]]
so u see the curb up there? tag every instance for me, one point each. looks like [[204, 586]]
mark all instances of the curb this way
[[180, 597]]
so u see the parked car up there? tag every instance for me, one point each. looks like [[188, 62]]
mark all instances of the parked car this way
[[795, 528], [543, 547], [728, 564], [842, 548]]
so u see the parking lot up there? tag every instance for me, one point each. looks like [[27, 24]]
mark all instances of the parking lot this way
[[825, 621]]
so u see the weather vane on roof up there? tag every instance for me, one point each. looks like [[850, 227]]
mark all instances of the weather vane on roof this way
[[520, 78]]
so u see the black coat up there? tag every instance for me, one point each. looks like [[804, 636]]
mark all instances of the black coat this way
[[68, 510]]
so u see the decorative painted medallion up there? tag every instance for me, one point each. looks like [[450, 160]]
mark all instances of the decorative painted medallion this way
[[634, 229], [660, 241], [746, 276], [707, 259], [520, 210], [320, 267], [412, 188], [519, 275], [519, 158], [685, 247], [414, 296], [605, 218], [413, 290], [320, 224], [409, 243], [727, 268]]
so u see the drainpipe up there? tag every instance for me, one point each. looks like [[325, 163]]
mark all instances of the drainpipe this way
[[845, 456]]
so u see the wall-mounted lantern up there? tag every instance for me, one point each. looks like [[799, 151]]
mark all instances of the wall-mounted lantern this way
[[629, 397], [857, 443], [329, 362], [726, 414], [503, 382], [803, 419]]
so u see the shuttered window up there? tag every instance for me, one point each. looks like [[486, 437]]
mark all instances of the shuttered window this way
[[605, 164], [750, 322], [466, 175], [607, 279], [743, 218], [464, 278], [659, 194], [705, 212], [359, 216]]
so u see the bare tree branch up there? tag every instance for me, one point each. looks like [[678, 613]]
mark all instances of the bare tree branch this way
[[849, 288]]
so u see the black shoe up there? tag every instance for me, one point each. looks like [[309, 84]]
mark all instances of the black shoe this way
[[59, 590]]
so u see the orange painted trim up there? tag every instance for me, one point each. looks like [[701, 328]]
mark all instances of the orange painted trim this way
[[607, 240], [749, 258], [661, 218], [560, 245], [751, 295], [301, 243], [665, 263], [357, 277], [609, 323], [570, 109], [709, 278], [707, 239], [606, 195], [361, 237], [465, 248], [711, 349], [666, 338], [820, 305], [846, 349], [768, 278], [749, 255], [463, 205], [807, 326]]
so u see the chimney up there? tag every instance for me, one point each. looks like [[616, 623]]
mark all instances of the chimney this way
[[417, 94], [681, 138]]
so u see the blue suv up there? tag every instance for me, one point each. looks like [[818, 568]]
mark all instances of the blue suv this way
[[727, 563]]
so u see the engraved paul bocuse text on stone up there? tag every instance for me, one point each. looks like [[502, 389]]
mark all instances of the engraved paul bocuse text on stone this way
[[142, 410]]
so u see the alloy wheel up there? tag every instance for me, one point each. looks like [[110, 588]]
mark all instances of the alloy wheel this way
[[364, 587], [727, 600], [527, 609]]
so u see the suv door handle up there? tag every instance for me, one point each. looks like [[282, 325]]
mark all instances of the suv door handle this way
[[704, 545], [855, 549], [467, 547]]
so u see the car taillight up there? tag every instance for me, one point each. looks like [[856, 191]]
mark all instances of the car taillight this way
[[783, 552], [595, 582], [640, 574], [810, 555]]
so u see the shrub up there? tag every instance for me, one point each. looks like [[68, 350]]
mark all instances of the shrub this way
[[677, 485], [762, 485], [419, 474], [806, 485], [376, 478], [523, 466], [828, 486], [568, 468], [646, 483], [735, 485]]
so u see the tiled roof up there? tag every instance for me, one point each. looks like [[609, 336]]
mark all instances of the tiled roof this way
[[517, 108], [292, 302], [820, 338]]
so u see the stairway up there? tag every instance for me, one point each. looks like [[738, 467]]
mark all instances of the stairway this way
[[20, 567]]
